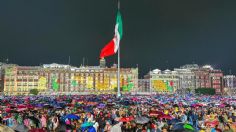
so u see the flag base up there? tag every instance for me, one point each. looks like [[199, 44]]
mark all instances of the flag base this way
[[118, 95]]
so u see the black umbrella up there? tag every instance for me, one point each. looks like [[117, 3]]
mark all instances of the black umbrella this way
[[174, 121], [175, 105]]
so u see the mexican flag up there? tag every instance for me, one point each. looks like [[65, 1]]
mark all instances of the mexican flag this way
[[112, 47]]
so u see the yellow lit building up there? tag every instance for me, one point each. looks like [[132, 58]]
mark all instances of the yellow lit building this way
[[65, 79], [164, 81], [20, 79]]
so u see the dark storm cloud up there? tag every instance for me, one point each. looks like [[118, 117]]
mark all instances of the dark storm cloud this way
[[157, 34]]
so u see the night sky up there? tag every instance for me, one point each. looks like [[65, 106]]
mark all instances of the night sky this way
[[157, 33]]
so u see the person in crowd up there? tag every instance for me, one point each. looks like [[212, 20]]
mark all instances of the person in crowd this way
[[103, 113]]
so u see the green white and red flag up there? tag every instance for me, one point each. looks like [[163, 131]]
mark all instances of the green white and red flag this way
[[112, 47]]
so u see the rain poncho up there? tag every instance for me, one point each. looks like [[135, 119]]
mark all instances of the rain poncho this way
[[10, 122], [116, 128]]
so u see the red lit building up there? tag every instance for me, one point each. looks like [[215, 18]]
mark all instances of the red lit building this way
[[216, 77], [207, 77], [202, 78]]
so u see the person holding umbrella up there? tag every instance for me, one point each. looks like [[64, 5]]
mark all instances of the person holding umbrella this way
[[55, 122], [183, 117], [108, 126], [227, 128], [116, 127], [43, 121]]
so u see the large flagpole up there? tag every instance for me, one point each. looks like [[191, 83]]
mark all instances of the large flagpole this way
[[118, 66]]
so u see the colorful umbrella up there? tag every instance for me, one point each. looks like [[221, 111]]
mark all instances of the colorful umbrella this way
[[126, 119], [155, 113], [87, 124], [72, 116], [183, 127], [165, 117]]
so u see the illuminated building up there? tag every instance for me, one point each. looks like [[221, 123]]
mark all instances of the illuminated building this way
[[185, 79], [143, 85], [190, 66], [164, 81], [65, 79], [128, 78], [20, 79], [216, 77], [187, 82], [207, 77], [230, 84], [230, 81], [102, 63], [202, 78]]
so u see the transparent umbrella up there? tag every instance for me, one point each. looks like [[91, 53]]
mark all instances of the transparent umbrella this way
[[141, 120]]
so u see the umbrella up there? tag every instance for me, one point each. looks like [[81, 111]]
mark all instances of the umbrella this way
[[21, 106], [155, 113], [92, 103], [183, 127], [126, 119], [101, 106], [21, 109], [47, 106], [174, 121], [222, 105], [87, 124], [37, 130], [110, 104], [39, 105], [58, 107], [175, 105], [72, 116], [88, 129], [88, 109], [21, 128], [8, 110], [165, 117], [30, 107], [197, 105], [212, 123], [141, 120], [70, 105]]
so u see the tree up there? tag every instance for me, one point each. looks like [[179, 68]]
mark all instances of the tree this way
[[188, 90], [205, 91], [115, 89], [34, 91]]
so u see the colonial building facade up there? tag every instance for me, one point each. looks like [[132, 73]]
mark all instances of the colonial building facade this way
[[164, 81], [65, 79], [230, 84], [187, 80], [143, 85], [207, 77]]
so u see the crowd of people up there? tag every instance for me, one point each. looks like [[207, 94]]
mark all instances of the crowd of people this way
[[129, 113]]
